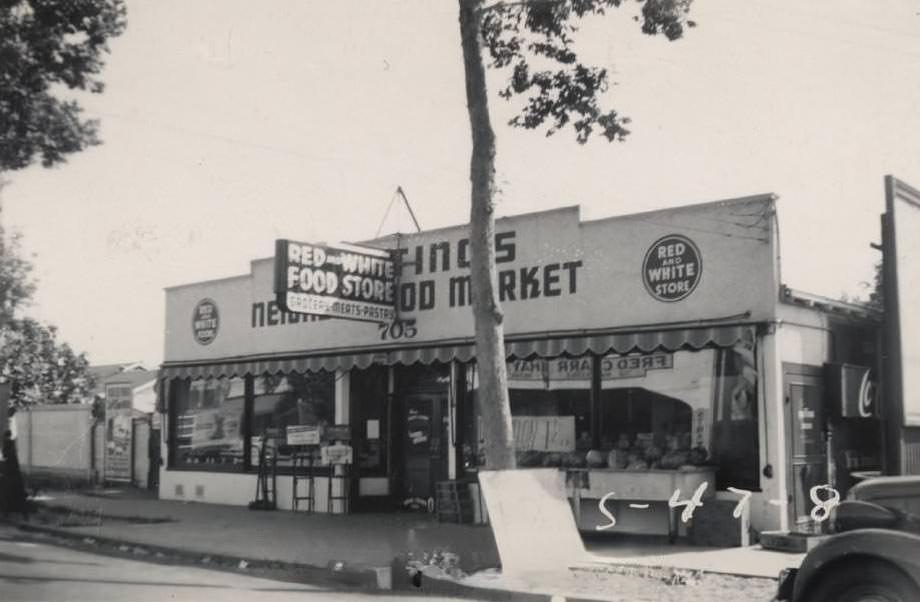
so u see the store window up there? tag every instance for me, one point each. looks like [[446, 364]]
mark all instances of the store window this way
[[735, 435], [665, 410], [550, 412], [209, 423], [292, 399], [551, 409]]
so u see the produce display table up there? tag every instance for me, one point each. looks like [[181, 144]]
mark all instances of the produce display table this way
[[640, 486]]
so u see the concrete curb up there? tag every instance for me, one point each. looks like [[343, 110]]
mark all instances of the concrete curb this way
[[335, 574]]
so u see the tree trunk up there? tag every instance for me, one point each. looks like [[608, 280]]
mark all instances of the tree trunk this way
[[487, 313]]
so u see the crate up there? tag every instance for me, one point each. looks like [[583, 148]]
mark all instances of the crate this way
[[454, 502]]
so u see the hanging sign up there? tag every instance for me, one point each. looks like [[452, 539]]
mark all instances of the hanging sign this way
[[672, 268], [342, 281], [852, 390]]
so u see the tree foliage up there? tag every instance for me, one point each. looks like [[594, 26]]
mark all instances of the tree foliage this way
[[39, 368], [877, 295], [16, 285], [47, 47], [536, 40]]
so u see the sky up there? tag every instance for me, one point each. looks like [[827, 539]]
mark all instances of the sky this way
[[226, 126]]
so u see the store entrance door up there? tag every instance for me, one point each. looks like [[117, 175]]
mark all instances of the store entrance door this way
[[805, 424], [424, 447]]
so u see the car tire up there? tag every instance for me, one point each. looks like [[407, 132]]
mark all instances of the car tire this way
[[866, 581]]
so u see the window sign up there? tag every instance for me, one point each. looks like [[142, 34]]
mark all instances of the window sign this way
[[544, 433], [303, 435], [209, 422]]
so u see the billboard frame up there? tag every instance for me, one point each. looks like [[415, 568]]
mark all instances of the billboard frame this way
[[902, 429]]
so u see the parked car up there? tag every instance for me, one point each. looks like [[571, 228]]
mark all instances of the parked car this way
[[873, 554]]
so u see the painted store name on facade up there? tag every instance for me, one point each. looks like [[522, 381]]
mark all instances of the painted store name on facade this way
[[313, 270], [518, 284]]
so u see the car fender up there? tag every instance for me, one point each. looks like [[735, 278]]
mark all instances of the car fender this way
[[899, 549]]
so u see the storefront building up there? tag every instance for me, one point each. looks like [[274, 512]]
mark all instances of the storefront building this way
[[642, 345]]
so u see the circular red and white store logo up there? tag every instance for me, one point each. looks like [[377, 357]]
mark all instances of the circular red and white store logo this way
[[672, 268], [205, 321]]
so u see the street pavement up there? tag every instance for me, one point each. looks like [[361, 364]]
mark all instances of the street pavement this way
[[32, 570]]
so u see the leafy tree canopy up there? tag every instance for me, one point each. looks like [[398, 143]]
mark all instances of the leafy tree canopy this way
[[16, 285], [47, 47], [523, 35], [39, 368]]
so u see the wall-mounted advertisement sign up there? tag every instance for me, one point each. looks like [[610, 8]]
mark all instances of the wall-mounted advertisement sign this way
[[342, 281], [672, 268], [118, 437], [205, 322]]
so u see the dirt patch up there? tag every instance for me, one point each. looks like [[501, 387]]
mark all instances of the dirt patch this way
[[643, 584]]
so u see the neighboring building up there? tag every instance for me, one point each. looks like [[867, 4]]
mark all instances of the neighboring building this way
[[131, 389], [103, 372], [665, 337]]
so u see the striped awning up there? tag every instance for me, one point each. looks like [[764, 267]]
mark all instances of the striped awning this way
[[642, 341], [632, 342]]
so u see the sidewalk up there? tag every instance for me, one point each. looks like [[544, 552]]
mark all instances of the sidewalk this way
[[365, 540], [369, 542]]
